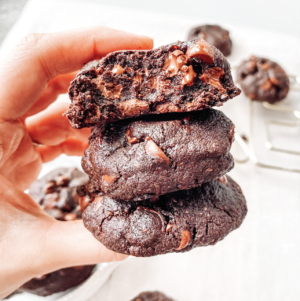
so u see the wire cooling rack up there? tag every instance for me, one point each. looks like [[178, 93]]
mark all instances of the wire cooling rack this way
[[294, 121]]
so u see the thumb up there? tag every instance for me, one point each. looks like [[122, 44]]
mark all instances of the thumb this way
[[70, 244]]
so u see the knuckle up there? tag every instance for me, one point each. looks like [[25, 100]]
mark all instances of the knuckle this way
[[31, 41]]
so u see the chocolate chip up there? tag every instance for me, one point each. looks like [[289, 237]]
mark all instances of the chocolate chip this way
[[201, 50], [185, 239], [133, 107], [212, 77], [62, 181], [153, 150], [174, 62], [109, 179], [161, 217], [223, 180], [169, 227], [189, 76], [84, 202], [50, 200], [117, 70], [50, 187], [267, 85]]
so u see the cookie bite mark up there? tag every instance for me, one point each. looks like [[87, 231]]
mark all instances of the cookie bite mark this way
[[133, 107], [201, 50], [185, 239], [153, 150], [130, 83], [212, 77]]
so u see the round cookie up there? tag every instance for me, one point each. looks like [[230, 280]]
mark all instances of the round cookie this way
[[56, 193], [263, 80], [176, 222], [151, 296], [179, 77], [57, 281], [214, 35], [136, 160]]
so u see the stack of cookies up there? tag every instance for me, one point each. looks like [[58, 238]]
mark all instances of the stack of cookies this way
[[158, 153]]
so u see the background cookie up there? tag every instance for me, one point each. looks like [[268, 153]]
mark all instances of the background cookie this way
[[176, 222], [214, 35], [136, 160], [263, 80], [56, 193], [57, 281], [179, 77], [151, 296]]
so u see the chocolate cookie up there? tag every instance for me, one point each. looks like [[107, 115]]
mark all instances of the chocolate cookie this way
[[140, 159], [180, 77], [214, 35], [263, 80], [151, 296], [57, 281], [56, 193], [176, 222]]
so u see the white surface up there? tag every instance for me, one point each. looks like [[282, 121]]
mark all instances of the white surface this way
[[277, 15], [261, 260]]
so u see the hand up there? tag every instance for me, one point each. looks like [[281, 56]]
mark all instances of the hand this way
[[35, 73]]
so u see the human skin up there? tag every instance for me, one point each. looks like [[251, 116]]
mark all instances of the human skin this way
[[36, 71]]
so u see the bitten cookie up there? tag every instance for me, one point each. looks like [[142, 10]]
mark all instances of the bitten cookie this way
[[176, 222], [56, 193], [180, 77], [214, 35], [136, 160], [263, 80], [151, 296]]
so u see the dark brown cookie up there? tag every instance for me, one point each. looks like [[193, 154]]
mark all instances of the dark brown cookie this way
[[57, 281], [263, 80], [56, 193], [180, 77], [214, 35], [176, 222], [151, 296], [136, 160]]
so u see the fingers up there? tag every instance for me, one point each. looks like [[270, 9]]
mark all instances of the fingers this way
[[56, 86], [50, 128], [41, 57], [70, 147], [70, 244], [33, 244]]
